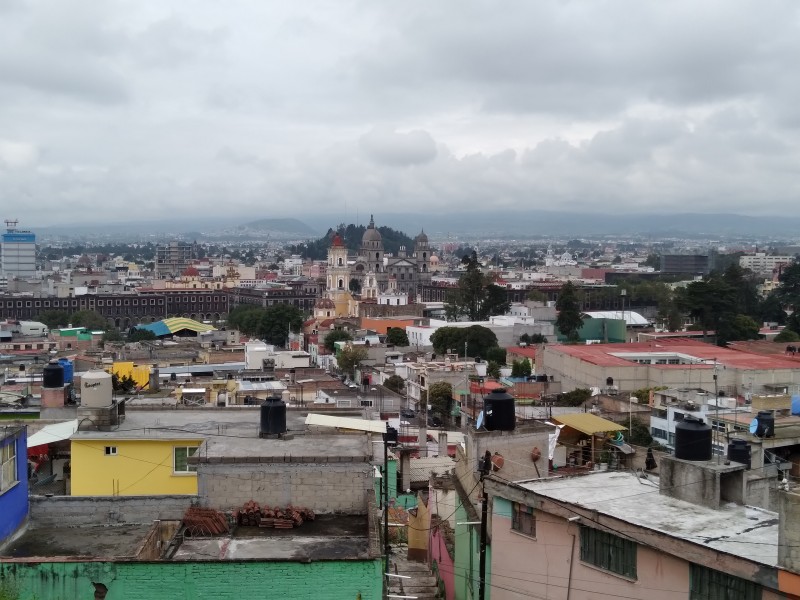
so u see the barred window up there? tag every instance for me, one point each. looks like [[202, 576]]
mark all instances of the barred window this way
[[708, 584], [608, 551], [522, 519]]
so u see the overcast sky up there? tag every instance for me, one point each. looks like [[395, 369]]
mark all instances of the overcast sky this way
[[125, 108]]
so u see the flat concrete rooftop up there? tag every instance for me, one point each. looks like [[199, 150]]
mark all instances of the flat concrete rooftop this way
[[744, 531], [100, 541], [328, 537]]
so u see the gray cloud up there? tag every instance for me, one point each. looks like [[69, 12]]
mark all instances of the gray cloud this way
[[265, 107], [389, 147]]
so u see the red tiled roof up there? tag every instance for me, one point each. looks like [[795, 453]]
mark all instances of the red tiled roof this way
[[527, 351], [601, 354]]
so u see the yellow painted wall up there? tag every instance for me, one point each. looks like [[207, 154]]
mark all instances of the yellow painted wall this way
[[140, 468], [139, 373]]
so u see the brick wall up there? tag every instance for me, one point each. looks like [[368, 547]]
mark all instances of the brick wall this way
[[207, 580], [322, 487], [74, 510]]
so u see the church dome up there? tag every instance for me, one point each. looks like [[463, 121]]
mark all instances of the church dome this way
[[371, 234], [325, 303], [422, 238], [337, 241]]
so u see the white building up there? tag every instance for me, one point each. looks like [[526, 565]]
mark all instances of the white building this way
[[18, 253], [762, 263]]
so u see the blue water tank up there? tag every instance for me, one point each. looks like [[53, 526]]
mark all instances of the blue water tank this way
[[68, 369]]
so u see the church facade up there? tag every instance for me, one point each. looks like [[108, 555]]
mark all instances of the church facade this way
[[373, 274]]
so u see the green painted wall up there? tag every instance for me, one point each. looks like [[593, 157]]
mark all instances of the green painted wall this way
[[610, 330], [229, 580], [379, 483], [467, 557]]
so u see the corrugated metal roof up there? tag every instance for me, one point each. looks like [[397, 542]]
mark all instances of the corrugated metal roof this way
[[346, 423], [54, 432], [630, 317], [588, 423], [174, 325]]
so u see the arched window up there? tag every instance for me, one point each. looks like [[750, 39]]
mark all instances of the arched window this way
[[341, 284], [340, 261], [424, 255], [377, 256]]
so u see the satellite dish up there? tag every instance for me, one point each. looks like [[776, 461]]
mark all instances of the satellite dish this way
[[479, 422], [753, 426]]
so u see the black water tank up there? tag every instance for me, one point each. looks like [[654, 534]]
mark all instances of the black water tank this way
[[392, 436], [739, 451], [273, 416], [498, 411], [692, 439], [766, 424], [53, 375]]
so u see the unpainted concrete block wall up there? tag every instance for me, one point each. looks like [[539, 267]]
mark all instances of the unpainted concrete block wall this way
[[76, 511], [322, 487]]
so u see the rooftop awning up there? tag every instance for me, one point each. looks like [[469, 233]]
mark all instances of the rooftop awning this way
[[346, 423], [588, 423], [53, 433]]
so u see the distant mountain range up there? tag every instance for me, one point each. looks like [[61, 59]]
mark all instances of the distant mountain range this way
[[506, 224]]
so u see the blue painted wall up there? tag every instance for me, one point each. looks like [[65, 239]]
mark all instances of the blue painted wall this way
[[14, 502]]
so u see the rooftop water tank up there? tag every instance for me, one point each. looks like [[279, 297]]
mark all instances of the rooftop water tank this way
[[498, 410], [692, 439], [273, 417], [739, 451], [96, 389], [53, 375], [766, 424], [69, 370]]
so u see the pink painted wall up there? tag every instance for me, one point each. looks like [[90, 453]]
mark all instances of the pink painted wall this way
[[444, 561], [522, 567]]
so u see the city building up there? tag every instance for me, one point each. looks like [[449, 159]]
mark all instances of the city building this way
[[762, 263], [13, 480], [173, 259], [17, 253]]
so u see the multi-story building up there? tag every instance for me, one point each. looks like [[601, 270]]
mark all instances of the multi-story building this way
[[763, 263], [270, 296], [17, 253], [173, 258]]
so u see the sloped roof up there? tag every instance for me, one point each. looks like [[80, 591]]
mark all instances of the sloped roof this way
[[630, 317], [588, 423], [174, 325]]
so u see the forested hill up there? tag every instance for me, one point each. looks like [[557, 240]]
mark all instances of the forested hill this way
[[352, 234]]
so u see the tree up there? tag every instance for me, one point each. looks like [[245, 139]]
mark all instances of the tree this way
[[653, 260], [349, 358], [277, 321], [395, 383], [493, 370], [789, 290], [537, 296], [89, 319], [479, 340], [354, 286], [569, 319], [787, 336], [112, 335], [337, 335], [122, 384], [739, 327], [496, 354], [639, 435], [396, 336], [575, 397], [54, 318], [521, 368], [476, 297], [141, 335], [440, 397]]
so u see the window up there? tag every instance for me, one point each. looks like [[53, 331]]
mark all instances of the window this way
[[708, 584], [608, 551], [8, 455], [522, 519], [181, 464], [111, 450]]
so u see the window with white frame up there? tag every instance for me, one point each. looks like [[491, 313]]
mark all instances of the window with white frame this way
[[181, 462], [111, 450], [8, 455]]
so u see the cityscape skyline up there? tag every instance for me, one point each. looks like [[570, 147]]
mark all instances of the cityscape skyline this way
[[116, 109]]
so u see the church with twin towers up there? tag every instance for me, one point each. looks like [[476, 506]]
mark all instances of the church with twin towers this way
[[373, 273]]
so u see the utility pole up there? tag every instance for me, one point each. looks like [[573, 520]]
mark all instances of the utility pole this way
[[486, 467]]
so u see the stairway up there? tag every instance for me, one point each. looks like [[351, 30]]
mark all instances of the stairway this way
[[420, 583]]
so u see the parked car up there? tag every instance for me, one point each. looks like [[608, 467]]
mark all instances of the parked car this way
[[407, 413], [435, 422]]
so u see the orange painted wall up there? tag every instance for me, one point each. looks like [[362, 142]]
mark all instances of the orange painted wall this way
[[382, 325]]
